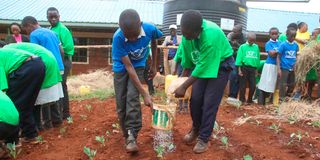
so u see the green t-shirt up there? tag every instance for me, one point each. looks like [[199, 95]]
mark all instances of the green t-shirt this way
[[259, 69], [52, 75], [206, 52], [318, 39], [65, 38], [8, 112], [10, 60], [248, 55], [282, 37]]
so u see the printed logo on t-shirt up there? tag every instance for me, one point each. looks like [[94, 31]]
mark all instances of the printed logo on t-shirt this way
[[290, 54], [251, 54], [195, 56], [137, 54], [275, 49]]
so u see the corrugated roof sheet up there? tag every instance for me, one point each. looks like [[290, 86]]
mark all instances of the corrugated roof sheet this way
[[261, 20], [81, 11], [108, 11]]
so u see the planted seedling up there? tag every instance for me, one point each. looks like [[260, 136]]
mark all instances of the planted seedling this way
[[116, 125], [245, 115], [295, 136], [13, 152], [275, 127], [225, 140], [160, 152], [292, 119], [39, 139], [247, 157], [63, 130], [107, 132], [88, 107], [101, 139], [258, 122], [217, 130], [315, 124], [83, 117], [69, 120], [91, 153]]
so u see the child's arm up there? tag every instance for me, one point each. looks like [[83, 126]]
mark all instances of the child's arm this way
[[278, 65], [134, 77], [154, 59]]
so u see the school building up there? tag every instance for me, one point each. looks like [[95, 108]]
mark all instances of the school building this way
[[93, 22]]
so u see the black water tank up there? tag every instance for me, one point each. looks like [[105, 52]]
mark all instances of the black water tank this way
[[213, 10]]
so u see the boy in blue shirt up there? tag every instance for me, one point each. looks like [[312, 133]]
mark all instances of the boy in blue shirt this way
[[286, 61], [49, 40], [130, 49]]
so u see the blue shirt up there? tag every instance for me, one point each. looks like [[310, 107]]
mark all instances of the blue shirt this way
[[49, 40], [272, 45], [137, 51], [288, 55], [172, 52]]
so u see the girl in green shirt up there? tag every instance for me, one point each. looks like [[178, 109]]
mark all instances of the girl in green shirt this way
[[9, 120]]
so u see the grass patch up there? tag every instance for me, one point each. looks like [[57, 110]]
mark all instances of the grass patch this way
[[100, 94]]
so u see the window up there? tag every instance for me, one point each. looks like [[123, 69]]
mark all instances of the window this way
[[109, 52], [81, 55]]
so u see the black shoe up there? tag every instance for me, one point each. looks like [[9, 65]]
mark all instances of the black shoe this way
[[131, 144], [200, 147], [191, 136]]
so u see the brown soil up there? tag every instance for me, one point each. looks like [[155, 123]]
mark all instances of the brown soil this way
[[256, 140]]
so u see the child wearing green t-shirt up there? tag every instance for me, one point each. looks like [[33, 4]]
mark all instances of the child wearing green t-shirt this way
[[205, 49], [21, 76], [9, 120], [51, 89], [248, 60]]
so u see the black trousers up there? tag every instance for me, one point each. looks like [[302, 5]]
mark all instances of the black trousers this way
[[64, 102], [147, 80], [205, 100], [24, 87], [8, 132], [128, 102], [249, 76]]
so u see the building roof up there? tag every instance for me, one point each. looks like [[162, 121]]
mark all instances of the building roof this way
[[81, 12], [261, 20], [105, 13]]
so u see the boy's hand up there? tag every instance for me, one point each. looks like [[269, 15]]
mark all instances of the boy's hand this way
[[240, 73], [148, 100], [180, 92], [152, 73]]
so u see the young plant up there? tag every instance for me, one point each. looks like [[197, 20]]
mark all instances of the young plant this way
[[88, 107], [295, 136], [116, 126], [258, 122], [160, 152], [101, 139], [292, 119], [315, 124], [247, 157], [90, 152], [245, 115], [69, 120], [275, 127], [13, 152], [83, 117], [63, 130], [217, 130], [107, 133], [39, 139], [225, 140]]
